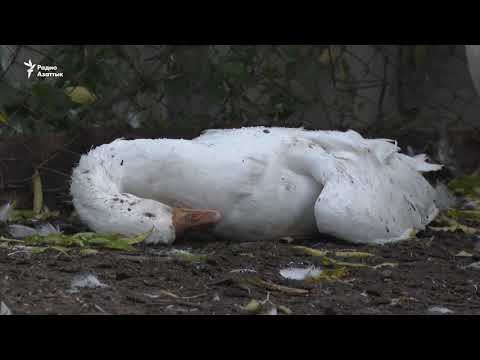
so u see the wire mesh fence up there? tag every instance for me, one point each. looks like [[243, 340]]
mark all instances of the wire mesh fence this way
[[367, 87]]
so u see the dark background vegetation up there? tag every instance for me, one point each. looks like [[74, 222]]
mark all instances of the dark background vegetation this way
[[421, 95]]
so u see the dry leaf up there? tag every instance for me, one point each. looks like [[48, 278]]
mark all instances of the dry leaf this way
[[80, 95], [310, 251], [187, 256], [329, 55], [464, 253], [3, 118], [37, 193], [353, 254], [276, 287], [253, 306], [452, 228], [284, 309], [168, 293]]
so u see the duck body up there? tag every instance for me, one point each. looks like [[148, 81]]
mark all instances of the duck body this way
[[265, 182]]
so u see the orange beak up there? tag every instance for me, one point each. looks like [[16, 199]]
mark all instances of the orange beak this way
[[184, 219]]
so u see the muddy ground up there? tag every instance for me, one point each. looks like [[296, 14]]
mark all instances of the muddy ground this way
[[420, 274]]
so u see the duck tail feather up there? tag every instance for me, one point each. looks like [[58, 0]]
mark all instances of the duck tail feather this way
[[419, 163]]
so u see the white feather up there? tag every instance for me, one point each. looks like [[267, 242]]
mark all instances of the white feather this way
[[21, 231], [4, 310], [295, 273], [85, 280], [5, 212]]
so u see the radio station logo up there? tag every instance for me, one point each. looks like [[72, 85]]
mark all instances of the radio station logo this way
[[41, 70]]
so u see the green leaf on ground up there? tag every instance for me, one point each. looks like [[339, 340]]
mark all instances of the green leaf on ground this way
[[86, 240], [466, 185], [187, 256], [452, 225]]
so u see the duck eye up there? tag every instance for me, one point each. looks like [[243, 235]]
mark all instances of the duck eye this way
[[149, 214]]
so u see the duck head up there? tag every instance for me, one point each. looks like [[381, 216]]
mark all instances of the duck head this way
[[169, 223]]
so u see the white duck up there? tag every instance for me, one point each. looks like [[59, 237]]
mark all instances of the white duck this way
[[255, 184]]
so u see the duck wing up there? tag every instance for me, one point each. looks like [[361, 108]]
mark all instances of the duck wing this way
[[371, 193]]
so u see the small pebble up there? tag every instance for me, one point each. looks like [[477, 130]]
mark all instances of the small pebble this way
[[387, 273]]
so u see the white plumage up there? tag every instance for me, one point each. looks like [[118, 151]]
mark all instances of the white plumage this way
[[265, 182]]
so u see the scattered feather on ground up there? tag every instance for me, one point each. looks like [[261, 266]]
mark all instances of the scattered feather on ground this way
[[5, 212], [85, 280], [295, 273], [439, 310], [4, 310]]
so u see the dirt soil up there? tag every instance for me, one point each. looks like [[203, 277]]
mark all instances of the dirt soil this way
[[428, 273]]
